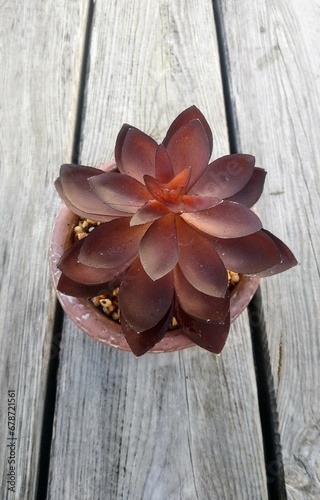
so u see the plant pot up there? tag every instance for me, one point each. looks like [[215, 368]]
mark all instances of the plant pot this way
[[96, 324]]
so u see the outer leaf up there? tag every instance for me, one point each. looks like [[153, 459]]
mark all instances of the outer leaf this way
[[70, 287], [209, 336], [86, 275], [225, 176], [74, 181], [189, 147], [249, 254], [142, 342], [144, 302], [120, 191], [135, 153], [159, 249], [111, 244], [288, 260], [199, 262], [226, 220], [252, 191], [183, 118], [197, 304]]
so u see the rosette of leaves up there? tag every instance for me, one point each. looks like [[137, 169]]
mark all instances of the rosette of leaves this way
[[171, 224]]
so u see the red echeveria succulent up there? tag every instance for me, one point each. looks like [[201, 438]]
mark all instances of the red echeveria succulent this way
[[171, 225]]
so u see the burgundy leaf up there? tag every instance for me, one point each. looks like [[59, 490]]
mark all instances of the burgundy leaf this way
[[249, 254], [120, 191], [159, 249], [144, 302], [252, 191], [135, 153], [86, 275], [209, 336], [142, 342], [77, 211], [74, 181], [186, 116], [225, 176], [171, 191], [199, 262], [197, 304], [189, 147], [226, 220], [163, 168], [111, 244], [150, 211], [198, 203], [70, 287], [288, 260]]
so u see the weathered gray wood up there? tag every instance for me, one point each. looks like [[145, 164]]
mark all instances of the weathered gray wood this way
[[274, 55], [40, 49], [180, 425]]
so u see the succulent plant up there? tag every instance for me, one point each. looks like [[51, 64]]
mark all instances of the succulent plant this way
[[171, 224]]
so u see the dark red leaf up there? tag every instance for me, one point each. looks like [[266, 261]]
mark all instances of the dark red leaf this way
[[197, 304], [159, 249], [288, 260], [144, 302], [152, 210], [199, 262], [111, 244], [73, 186], [225, 176], [228, 219], [135, 153], [189, 114], [252, 191], [142, 342], [209, 336], [120, 191], [249, 254]]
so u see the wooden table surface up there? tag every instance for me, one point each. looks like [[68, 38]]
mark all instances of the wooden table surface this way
[[95, 423]]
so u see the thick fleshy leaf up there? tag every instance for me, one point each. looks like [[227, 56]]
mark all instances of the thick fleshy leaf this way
[[112, 244], [183, 118], [228, 219], [252, 191], [70, 287], [135, 152], [120, 191], [74, 181], [197, 304], [86, 275], [189, 147], [248, 255], [209, 336], [288, 260], [144, 302], [225, 176], [142, 342], [159, 249], [163, 168], [152, 210], [198, 203], [199, 262], [80, 213]]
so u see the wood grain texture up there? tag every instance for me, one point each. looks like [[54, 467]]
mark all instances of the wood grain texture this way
[[274, 66], [180, 425], [40, 64]]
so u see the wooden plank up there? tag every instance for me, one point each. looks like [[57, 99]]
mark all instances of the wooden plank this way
[[40, 49], [274, 66], [179, 425]]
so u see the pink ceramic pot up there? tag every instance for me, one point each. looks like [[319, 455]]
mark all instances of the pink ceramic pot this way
[[96, 324]]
